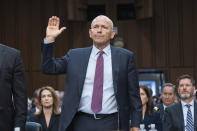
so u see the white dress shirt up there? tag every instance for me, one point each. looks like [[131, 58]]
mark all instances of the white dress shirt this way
[[185, 109], [109, 104], [164, 106]]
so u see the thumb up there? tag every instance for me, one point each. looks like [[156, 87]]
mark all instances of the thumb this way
[[62, 29]]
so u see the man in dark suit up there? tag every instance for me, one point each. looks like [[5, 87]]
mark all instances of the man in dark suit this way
[[102, 86], [182, 116], [13, 94], [168, 97]]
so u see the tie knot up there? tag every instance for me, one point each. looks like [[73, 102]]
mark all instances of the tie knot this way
[[188, 105], [101, 52]]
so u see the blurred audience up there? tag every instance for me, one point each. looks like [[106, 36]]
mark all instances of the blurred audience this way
[[168, 97], [149, 115], [182, 116]]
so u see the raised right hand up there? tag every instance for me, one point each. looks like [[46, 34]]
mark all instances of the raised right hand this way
[[53, 29]]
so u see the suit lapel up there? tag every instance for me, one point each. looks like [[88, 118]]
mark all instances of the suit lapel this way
[[1, 54], [51, 121], [195, 115], [115, 66], [43, 121], [180, 110], [83, 69]]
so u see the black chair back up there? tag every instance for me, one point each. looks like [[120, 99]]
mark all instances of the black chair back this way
[[33, 126]]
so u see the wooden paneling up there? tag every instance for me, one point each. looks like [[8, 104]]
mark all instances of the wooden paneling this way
[[187, 33], [173, 30], [130, 36], [194, 36], [145, 44], [36, 35], [144, 9], [166, 41], [8, 23], [76, 10], [23, 30], [174, 73], [159, 33], [39, 79]]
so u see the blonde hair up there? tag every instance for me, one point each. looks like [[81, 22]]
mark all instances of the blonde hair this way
[[56, 102]]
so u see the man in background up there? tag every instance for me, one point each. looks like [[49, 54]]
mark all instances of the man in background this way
[[168, 96], [182, 116]]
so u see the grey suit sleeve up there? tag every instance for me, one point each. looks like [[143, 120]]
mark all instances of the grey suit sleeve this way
[[134, 94], [19, 92]]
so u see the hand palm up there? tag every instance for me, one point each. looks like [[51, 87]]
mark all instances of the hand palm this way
[[53, 31]]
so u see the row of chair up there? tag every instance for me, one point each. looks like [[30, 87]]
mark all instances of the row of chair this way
[[33, 126]]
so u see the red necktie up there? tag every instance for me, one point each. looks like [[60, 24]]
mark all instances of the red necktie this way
[[97, 95]]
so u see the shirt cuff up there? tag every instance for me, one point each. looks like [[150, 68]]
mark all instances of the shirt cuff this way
[[17, 129], [46, 42]]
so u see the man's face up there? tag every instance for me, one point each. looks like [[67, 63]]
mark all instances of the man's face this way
[[186, 89], [101, 31], [168, 95]]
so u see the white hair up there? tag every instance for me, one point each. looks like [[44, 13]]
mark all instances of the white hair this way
[[105, 17]]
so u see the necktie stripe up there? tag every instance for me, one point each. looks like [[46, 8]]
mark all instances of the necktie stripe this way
[[189, 123]]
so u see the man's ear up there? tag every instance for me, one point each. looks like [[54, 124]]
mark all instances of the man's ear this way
[[90, 33], [113, 34]]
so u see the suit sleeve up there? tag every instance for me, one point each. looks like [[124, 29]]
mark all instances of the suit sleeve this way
[[166, 121], [50, 65], [134, 94], [19, 92]]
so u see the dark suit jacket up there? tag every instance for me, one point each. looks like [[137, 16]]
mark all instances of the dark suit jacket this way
[[53, 124], [74, 64], [152, 119], [12, 83], [161, 110], [173, 119]]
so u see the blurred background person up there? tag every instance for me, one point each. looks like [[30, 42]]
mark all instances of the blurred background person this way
[[168, 97], [60, 95], [34, 104], [149, 115], [182, 116], [48, 114]]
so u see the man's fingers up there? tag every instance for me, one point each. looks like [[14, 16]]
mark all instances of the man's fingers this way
[[54, 21], [50, 22]]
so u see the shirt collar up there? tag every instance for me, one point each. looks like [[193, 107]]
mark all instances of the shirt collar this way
[[164, 106], [191, 103], [106, 50]]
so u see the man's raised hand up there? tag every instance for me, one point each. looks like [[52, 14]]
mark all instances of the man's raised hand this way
[[53, 29]]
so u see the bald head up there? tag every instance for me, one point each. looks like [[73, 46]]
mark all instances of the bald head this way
[[104, 18]]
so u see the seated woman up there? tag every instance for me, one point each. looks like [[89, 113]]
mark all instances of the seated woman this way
[[149, 115], [48, 114]]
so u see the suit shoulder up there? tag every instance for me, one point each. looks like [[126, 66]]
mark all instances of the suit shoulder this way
[[79, 49], [123, 51], [8, 49], [173, 107]]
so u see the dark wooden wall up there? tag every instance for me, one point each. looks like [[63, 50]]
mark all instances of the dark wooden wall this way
[[167, 40]]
